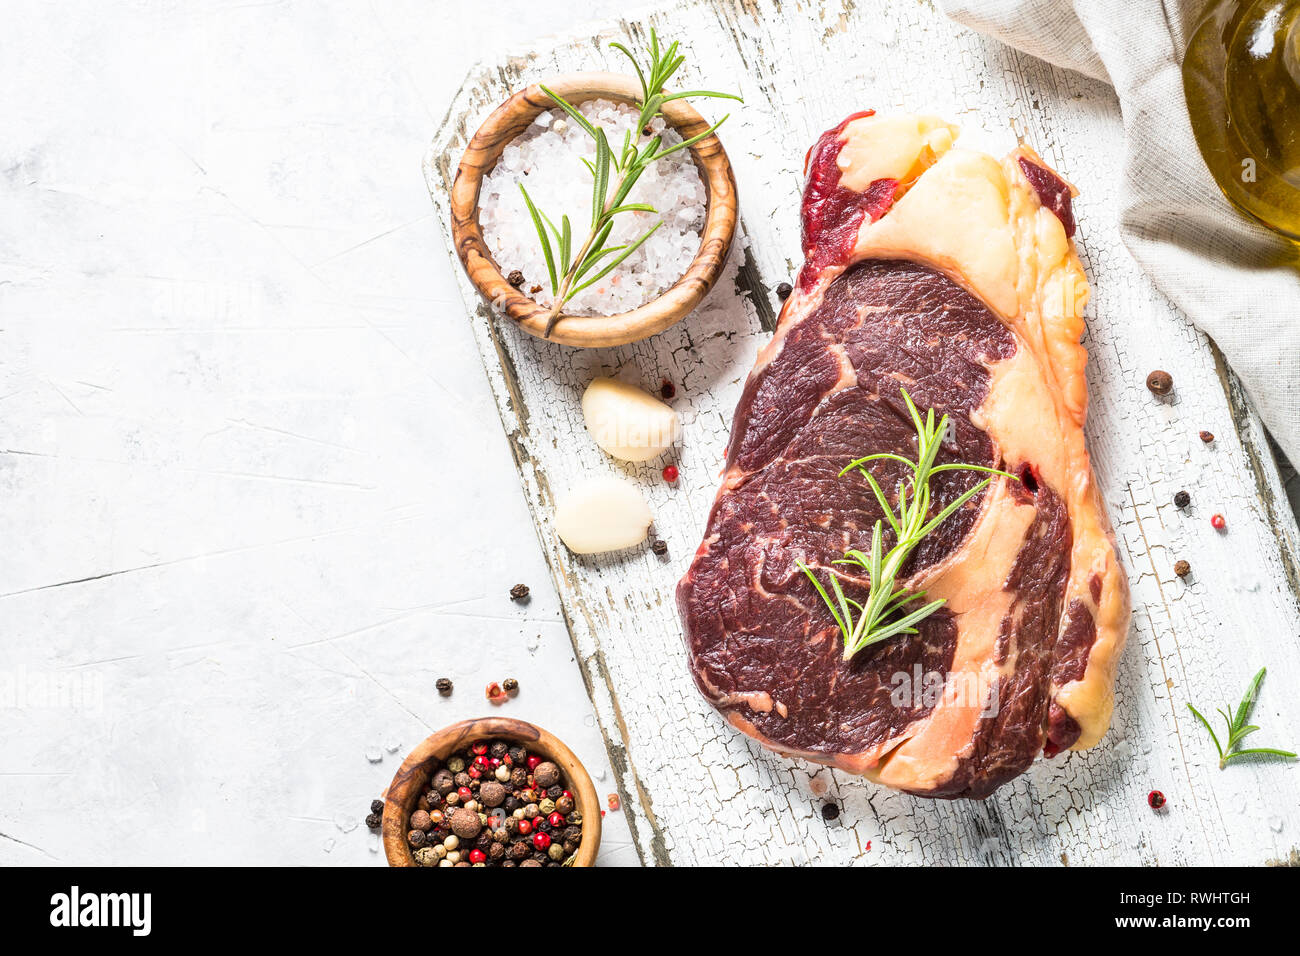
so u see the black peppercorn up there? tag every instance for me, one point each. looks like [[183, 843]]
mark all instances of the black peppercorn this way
[[417, 838], [667, 389], [555, 792], [498, 749], [516, 278], [1182, 499], [518, 755], [519, 592], [830, 811], [444, 686], [376, 806], [783, 291], [660, 546], [510, 685], [444, 781], [375, 820]]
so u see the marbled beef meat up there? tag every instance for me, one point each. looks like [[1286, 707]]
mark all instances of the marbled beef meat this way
[[953, 275]]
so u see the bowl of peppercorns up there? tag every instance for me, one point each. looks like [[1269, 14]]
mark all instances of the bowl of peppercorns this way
[[491, 792]]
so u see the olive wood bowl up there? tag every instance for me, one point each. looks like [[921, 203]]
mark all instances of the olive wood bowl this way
[[512, 118], [412, 779]]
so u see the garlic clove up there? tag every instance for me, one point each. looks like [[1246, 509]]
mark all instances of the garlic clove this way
[[602, 514], [626, 422]]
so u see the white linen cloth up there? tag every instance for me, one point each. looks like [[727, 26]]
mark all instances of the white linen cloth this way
[[1237, 281]]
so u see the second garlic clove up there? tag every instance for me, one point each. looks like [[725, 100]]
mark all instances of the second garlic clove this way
[[602, 514]]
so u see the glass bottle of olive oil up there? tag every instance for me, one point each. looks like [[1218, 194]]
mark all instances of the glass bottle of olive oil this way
[[1241, 75]]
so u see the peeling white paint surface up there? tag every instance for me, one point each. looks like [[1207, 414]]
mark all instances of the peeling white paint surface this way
[[697, 791]]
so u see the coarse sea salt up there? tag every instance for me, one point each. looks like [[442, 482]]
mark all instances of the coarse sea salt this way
[[545, 158]]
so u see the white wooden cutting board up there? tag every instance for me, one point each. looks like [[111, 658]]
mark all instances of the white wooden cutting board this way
[[695, 790]]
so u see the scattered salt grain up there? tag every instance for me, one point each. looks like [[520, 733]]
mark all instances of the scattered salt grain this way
[[374, 755], [393, 746], [545, 158]]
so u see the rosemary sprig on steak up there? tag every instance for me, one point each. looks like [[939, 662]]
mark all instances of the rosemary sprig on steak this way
[[890, 610], [613, 176], [1238, 729]]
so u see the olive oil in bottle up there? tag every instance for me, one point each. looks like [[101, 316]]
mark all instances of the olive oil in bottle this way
[[1241, 76]]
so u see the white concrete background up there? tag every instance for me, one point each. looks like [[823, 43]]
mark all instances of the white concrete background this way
[[254, 494]]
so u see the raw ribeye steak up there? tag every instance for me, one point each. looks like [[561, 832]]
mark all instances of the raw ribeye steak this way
[[953, 275]]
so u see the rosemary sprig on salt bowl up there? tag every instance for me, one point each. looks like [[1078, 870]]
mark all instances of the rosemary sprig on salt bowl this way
[[613, 177], [596, 209]]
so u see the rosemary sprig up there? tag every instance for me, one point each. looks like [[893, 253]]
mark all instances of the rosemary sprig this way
[[1238, 729], [886, 612], [613, 176]]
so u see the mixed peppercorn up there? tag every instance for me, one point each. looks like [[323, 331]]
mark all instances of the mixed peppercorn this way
[[1160, 382], [495, 804]]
